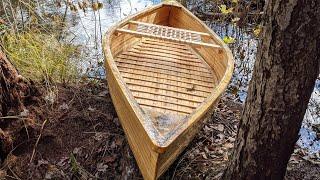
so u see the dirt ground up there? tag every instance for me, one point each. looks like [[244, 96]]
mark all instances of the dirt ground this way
[[73, 133]]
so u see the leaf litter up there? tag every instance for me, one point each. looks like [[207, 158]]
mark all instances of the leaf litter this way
[[83, 139]]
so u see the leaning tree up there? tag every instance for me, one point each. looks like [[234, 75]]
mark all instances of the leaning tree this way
[[284, 76]]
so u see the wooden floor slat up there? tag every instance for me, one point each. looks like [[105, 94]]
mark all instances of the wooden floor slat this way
[[129, 72], [155, 60], [166, 107], [166, 87], [162, 100], [163, 110], [164, 71], [165, 67], [161, 43], [168, 94], [165, 53], [167, 43], [162, 59], [169, 83], [186, 59], [165, 76], [163, 47]]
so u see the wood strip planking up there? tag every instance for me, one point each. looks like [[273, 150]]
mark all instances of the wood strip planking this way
[[156, 145], [187, 70], [166, 87], [189, 59], [166, 82], [126, 58], [131, 72], [167, 72], [161, 59], [165, 107], [165, 93], [157, 92], [166, 99], [167, 43], [152, 67], [165, 52], [164, 46], [165, 111], [172, 44]]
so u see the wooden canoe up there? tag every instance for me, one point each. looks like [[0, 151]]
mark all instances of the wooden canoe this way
[[166, 71]]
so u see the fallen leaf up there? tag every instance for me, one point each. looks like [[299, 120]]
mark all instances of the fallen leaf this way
[[91, 109], [220, 127], [102, 167], [229, 40], [224, 10], [110, 158], [95, 6], [64, 106], [257, 31], [119, 141], [228, 145], [204, 155], [3, 174]]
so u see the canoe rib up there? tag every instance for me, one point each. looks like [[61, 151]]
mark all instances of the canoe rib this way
[[163, 89]]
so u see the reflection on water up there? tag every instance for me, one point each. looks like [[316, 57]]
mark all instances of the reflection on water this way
[[87, 28]]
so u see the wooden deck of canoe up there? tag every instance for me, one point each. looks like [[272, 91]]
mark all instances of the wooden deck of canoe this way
[[166, 70], [166, 77]]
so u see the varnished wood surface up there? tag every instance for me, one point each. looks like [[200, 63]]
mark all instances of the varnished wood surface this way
[[181, 36], [163, 89], [156, 81]]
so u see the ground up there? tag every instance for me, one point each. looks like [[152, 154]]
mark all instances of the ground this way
[[73, 133]]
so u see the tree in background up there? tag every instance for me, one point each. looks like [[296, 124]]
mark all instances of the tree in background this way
[[284, 76]]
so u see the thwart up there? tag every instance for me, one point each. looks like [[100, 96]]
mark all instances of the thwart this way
[[166, 71]]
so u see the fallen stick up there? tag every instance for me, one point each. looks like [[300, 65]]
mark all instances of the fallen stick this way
[[35, 146]]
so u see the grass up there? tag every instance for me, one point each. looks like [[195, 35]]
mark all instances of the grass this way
[[41, 57]]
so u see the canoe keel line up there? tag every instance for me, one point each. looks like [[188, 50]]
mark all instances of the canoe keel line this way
[[166, 71]]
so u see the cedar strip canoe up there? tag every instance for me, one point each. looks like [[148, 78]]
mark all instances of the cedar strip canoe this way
[[166, 71]]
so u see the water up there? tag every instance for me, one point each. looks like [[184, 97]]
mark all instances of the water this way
[[87, 28]]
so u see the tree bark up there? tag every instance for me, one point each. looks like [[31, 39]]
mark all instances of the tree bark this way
[[284, 76], [15, 93], [10, 89]]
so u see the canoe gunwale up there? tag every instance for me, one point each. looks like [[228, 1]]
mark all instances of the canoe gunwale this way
[[160, 142]]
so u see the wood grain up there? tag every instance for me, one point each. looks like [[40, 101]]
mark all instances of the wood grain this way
[[163, 88]]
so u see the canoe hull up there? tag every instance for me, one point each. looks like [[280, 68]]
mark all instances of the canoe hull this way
[[136, 135], [153, 149], [152, 164]]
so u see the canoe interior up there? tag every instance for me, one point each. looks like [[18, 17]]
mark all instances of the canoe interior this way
[[162, 89], [168, 80]]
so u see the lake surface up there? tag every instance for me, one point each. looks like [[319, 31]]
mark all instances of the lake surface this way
[[87, 28]]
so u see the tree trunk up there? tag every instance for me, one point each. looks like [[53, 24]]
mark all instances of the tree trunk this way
[[15, 92], [284, 76], [10, 92]]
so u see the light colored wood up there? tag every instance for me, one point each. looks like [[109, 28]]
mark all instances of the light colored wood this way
[[163, 88], [142, 34], [195, 32], [168, 33]]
